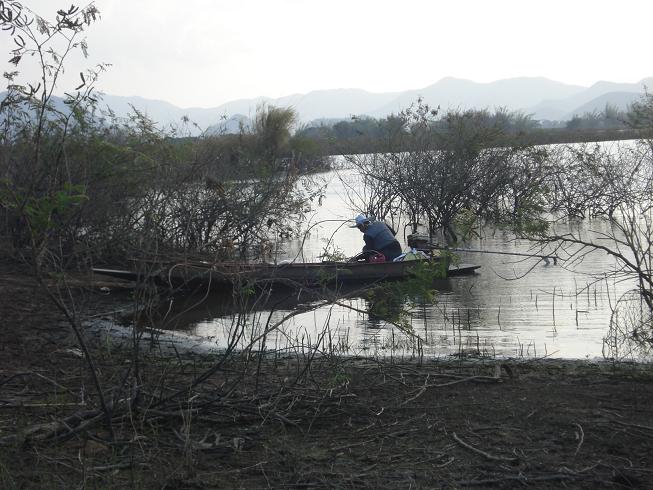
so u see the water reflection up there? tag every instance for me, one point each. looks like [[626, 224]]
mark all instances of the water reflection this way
[[513, 306]]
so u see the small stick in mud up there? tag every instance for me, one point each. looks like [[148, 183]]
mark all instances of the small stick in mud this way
[[580, 435], [481, 452]]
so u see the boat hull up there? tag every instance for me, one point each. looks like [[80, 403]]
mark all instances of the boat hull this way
[[294, 274]]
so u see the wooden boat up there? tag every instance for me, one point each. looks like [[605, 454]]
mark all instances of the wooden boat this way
[[291, 274]]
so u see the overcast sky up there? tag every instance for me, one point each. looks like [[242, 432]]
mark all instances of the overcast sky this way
[[203, 53]]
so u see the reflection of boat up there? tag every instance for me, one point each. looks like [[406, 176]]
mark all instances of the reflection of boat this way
[[197, 306], [302, 274]]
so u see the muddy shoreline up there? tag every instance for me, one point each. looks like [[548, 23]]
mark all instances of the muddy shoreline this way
[[305, 422]]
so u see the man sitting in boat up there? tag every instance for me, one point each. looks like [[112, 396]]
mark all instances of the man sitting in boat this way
[[378, 238]]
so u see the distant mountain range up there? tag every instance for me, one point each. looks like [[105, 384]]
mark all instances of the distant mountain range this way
[[543, 98]]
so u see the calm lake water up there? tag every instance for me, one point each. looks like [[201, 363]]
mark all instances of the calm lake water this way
[[512, 307]]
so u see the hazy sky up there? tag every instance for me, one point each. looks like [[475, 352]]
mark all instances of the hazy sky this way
[[203, 53]]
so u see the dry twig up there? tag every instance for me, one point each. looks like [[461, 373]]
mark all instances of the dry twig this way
[[483, 453]]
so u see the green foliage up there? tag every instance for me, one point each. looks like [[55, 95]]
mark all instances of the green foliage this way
[[640, 114], [333, 254], [271, 131], [527, 226], [41, 210], [609, 118], [466, 223], [245, 291], [393, 301], [340, 379]]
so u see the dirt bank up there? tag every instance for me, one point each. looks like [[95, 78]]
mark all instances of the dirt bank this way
[[304, 422]]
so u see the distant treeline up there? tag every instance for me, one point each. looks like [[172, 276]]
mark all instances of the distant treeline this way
[[368, 135], [310, 145]]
